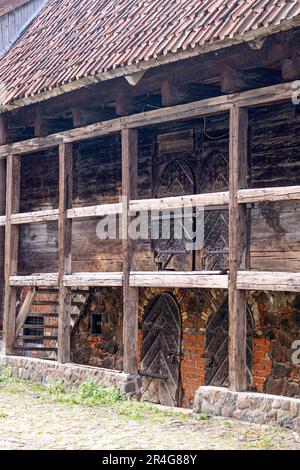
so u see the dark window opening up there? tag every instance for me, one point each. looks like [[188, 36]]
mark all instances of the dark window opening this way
[[96, 324], [34, 329]]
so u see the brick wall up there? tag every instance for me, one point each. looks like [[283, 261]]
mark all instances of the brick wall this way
[[192, 366], [262, 364]]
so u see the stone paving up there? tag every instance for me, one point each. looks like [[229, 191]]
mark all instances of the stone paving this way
[[30, 420]]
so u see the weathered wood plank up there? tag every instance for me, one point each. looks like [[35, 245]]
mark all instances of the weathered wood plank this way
[[207, 107], [94, 279], [195, 279], [74, 135], [94, 211], [32, 217], [3, 139], [64, 247], [238, 248], [273, 281], [130, 294], [35, 280], [197, 200], [287, 193], [11, 250], [24, 311]]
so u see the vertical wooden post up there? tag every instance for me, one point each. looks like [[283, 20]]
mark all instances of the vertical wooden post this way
[[3, 141], [65, 250], [11, 250], [130, 294], [238, 248]]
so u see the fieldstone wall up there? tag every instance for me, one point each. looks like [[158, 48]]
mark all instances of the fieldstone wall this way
[[104, 348], [43, 371], [277, 327], [249, 406]]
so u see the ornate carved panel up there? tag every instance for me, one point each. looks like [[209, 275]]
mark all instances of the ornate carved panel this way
[[175, 178]]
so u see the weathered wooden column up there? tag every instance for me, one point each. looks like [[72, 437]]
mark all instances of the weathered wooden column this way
[[130, 294], [11, 249], [238, 248], [3, 140], [65, 250]]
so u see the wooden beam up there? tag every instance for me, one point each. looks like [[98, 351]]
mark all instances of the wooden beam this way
[[33, 217], [64, 246], [195, 279], [11, 250], [35, 280], [195, 200], [95, 211], [24, 311], [290, 68], [123, 99], [110, 279], [3, 140], [207, 107], [130, 294], [287, 193], [238, 248], [273, 281]]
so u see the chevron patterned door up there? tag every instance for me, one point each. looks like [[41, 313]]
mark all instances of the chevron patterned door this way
[[216, 348], [161, 350]]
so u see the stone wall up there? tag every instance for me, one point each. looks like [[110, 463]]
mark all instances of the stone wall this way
[[277, 326], [43, 371], [249, 406], [103, 348]]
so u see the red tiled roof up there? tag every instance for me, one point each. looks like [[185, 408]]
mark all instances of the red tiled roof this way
[[72, 39]]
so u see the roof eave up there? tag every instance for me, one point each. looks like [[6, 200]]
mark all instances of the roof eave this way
[[151, 63]]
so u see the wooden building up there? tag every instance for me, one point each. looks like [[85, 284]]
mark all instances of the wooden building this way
[[156, 105]]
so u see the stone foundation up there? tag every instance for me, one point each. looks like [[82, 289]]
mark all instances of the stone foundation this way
[[43, 371], [249, 406]]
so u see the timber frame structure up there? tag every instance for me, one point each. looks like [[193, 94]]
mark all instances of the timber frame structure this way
[[239, 279], [151, 118]]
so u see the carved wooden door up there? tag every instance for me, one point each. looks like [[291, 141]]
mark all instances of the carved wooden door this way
[[213, 177], [161, 349], [216, 348], [175, 178]]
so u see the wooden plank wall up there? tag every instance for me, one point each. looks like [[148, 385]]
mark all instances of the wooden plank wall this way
[[14, 20], [274, 143]]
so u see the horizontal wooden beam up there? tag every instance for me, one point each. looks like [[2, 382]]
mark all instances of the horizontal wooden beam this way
[[200, 279], [97, 279], [35, 280], [2, 220], [272, 281], [39, 144], [94, 211], [32, 217], [286, 193], [246, 280], [197, 200], [207, 107]]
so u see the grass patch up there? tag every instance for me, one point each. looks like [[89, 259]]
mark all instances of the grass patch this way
[[5, 375], [91, 394]]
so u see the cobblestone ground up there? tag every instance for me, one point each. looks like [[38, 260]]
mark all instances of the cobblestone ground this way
[[29, 419]]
